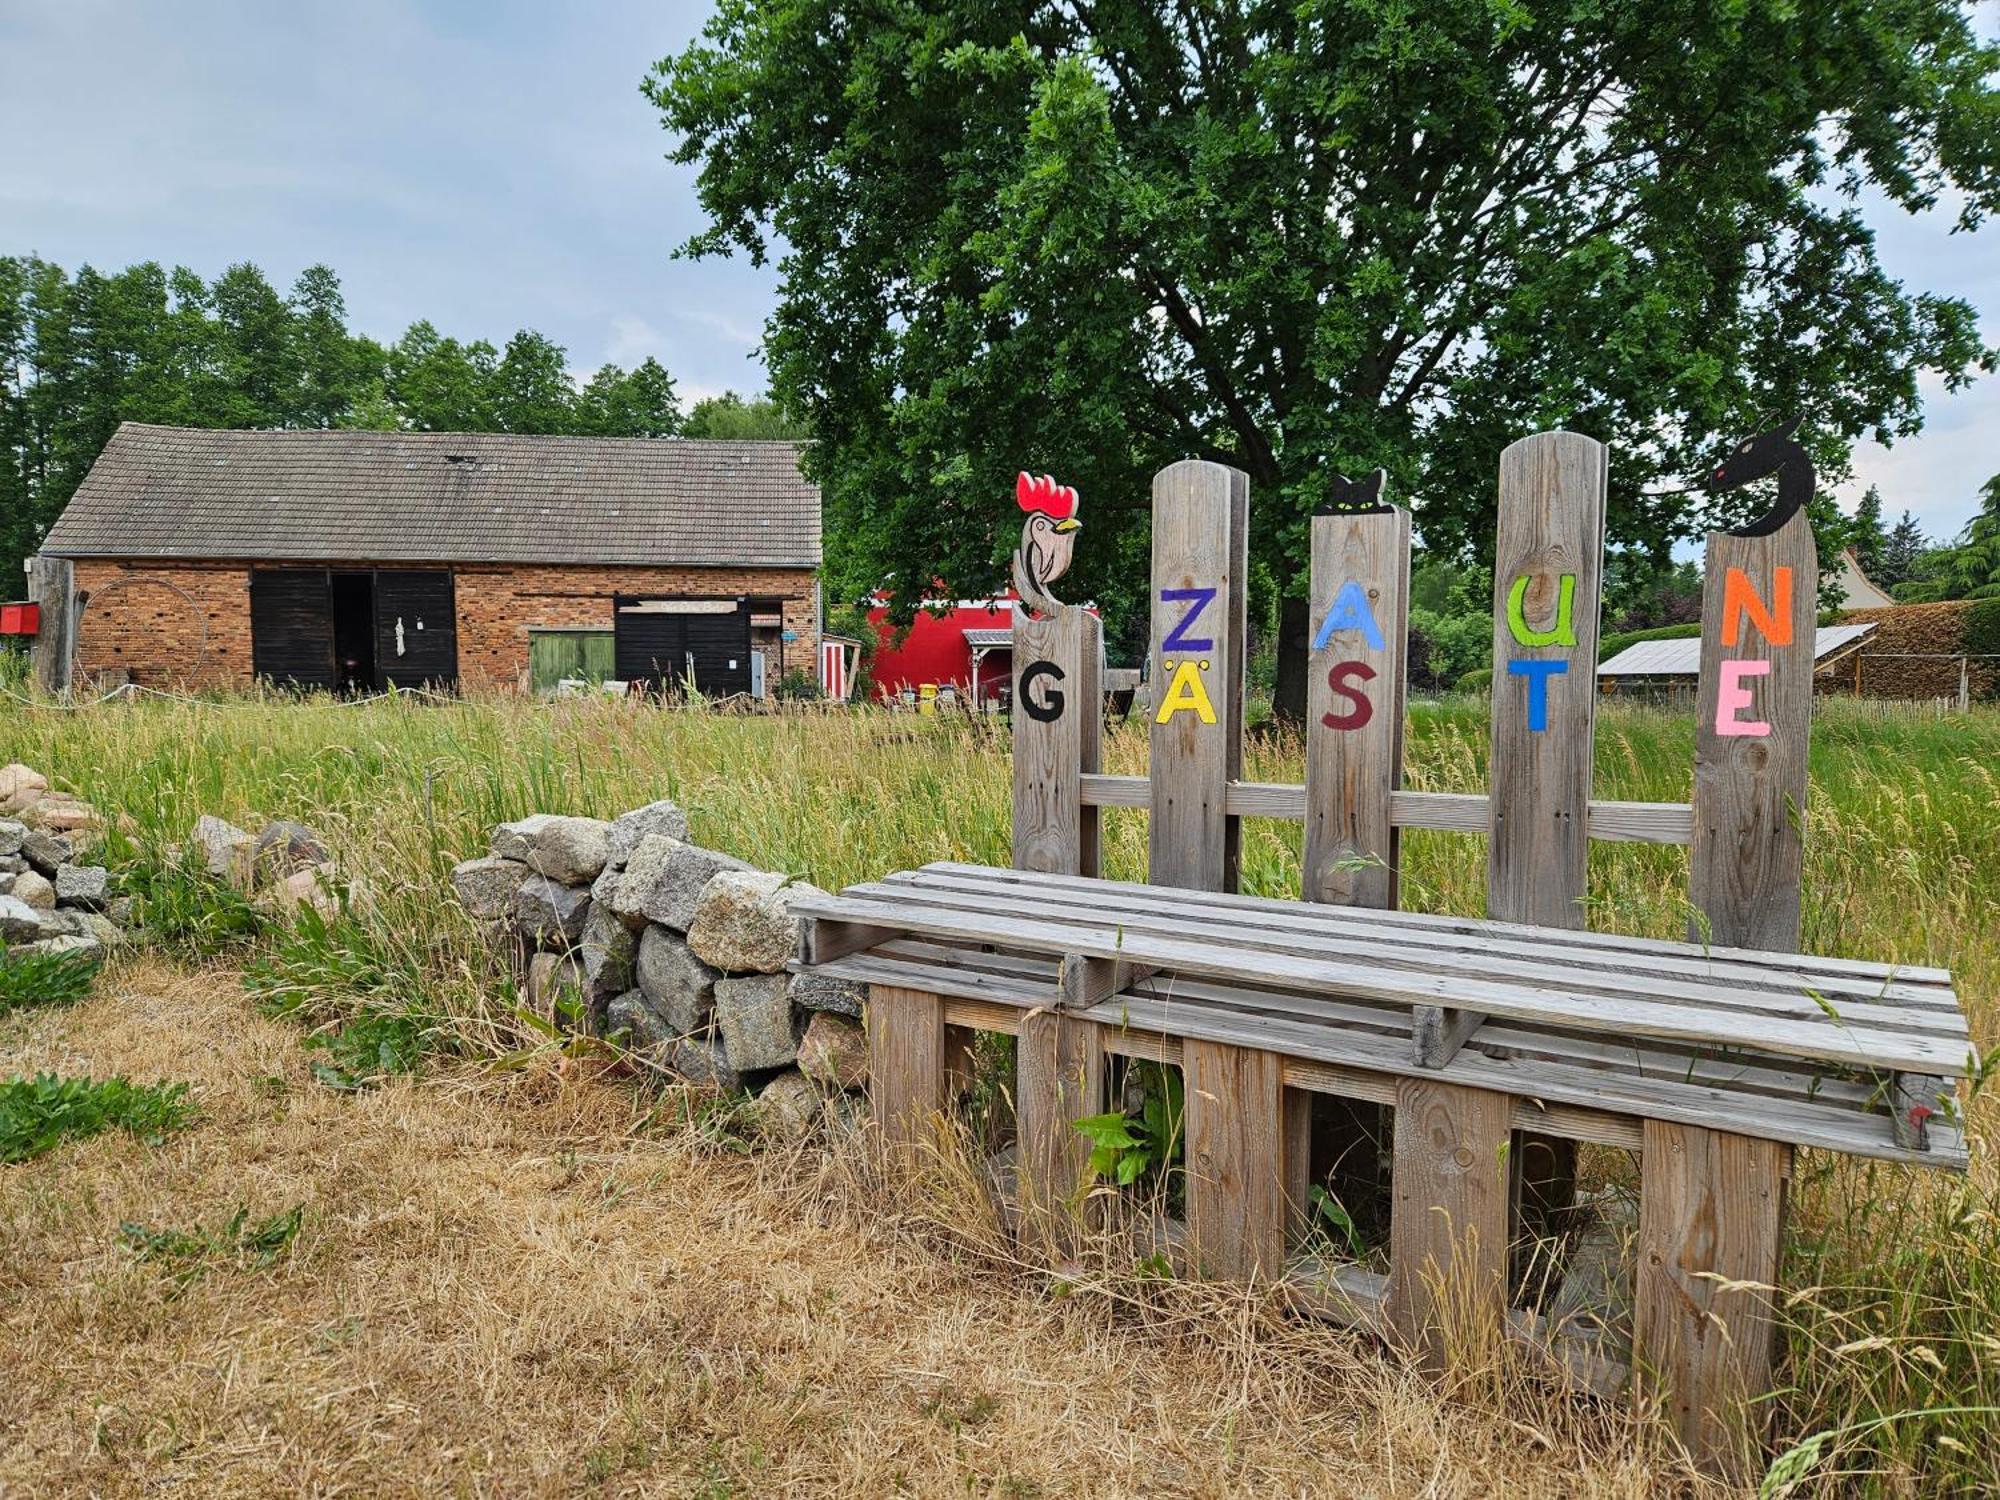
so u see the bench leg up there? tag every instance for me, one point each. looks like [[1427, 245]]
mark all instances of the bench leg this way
[[1236, 1159], [1059, 1079], [1298, 1166], [1711, 1206], [906, 1061], [1448, 1227]]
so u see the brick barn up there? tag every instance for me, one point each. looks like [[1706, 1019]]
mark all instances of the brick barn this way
[[352, 560]]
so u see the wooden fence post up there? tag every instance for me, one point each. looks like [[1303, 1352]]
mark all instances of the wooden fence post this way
[[1712, 1203], [1058, 737], [1355, 686], [1200, 558], [1753, 720], [1547, 565]]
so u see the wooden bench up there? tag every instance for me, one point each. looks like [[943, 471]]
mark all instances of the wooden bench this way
[[1500, 1042], [1783, 1047]]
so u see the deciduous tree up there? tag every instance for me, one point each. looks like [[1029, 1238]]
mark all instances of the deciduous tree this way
[[1307, 236]]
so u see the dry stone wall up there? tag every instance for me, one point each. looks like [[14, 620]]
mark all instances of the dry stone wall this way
[[631, 931], [52, 898]]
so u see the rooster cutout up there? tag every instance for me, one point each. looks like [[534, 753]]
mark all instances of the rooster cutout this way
[[1047, 539], [1355, 497], [1775, 452]]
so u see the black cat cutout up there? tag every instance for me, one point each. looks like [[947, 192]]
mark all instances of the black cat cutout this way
[[1355, 497], [1774, 452]]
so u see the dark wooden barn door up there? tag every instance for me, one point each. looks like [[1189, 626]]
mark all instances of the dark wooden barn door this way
[[291, 626], [660, 642], [416, 628]]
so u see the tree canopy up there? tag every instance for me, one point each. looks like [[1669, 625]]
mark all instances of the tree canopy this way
[[730, 416], [1304, 238], [79, 355], [1968, 568]]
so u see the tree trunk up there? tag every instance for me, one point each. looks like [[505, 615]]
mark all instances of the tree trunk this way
[[1288, 701]]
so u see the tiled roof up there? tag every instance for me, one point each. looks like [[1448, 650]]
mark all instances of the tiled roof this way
[[441, 497]]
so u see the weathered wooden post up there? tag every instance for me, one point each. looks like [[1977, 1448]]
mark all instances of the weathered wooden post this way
[[52, 585], [1711, 1214], [1236, 1201], [1356, 689], [1058, 738], [1355, 695], [1201, 531], [1458, 1171]]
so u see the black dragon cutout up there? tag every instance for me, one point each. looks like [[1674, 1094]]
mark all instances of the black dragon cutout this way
[[1775, 452]]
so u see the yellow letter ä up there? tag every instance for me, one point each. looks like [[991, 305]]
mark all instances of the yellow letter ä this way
[[1184, 692]]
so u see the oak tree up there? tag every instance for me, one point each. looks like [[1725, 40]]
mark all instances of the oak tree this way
[[1315, 236]]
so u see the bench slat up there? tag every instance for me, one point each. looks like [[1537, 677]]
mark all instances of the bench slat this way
[[1383, 973], [1814, 964], [1752, 1076], [1829, 1126], [1606, 973], [1797, 1036]]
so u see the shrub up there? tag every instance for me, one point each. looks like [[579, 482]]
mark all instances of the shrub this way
[[798, 686], [1478, 680], [1981, 636]]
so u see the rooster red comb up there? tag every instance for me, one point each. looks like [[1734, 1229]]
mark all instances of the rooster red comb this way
[[1057, 501]]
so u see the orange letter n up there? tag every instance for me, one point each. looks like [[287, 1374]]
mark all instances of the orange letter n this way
[[1739, 597]]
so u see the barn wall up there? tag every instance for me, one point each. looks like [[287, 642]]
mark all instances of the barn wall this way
[[166, 624], [188, 623], [498, 605]]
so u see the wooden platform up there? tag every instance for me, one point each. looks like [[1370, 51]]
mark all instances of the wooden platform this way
[[1589, 1033]]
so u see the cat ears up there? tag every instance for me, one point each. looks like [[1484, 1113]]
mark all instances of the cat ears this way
[[1354, 497]]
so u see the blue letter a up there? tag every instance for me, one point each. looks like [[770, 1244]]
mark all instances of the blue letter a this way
[[1350, 612]]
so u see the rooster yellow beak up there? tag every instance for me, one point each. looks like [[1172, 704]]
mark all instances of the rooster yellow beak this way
[[1069, 524]]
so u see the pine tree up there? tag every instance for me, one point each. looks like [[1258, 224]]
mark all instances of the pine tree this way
[[1900, 551], [1866, 535]]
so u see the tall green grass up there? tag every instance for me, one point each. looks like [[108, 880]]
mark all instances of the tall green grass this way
[[1895, 1273]]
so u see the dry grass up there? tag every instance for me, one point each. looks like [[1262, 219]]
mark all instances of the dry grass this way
[[1890, 1345], [523, 1284]]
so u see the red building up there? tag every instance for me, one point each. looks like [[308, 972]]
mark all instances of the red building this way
[[963, 643]]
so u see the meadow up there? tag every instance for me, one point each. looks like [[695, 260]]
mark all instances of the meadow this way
[[1893, 1274]]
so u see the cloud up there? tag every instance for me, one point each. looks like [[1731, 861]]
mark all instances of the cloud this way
[[488, 168]]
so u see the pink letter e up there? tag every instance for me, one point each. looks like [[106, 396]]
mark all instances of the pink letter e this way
[[1732, 698]]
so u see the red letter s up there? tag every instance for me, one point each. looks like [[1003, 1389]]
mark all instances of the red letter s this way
[[1363, 710]]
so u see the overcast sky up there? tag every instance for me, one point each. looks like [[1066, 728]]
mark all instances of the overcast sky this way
[[490, 165]]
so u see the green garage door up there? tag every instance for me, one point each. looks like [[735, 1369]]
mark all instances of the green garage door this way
[[556, 654]]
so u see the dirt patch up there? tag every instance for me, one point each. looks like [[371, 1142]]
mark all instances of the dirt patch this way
[[505, 1285]]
